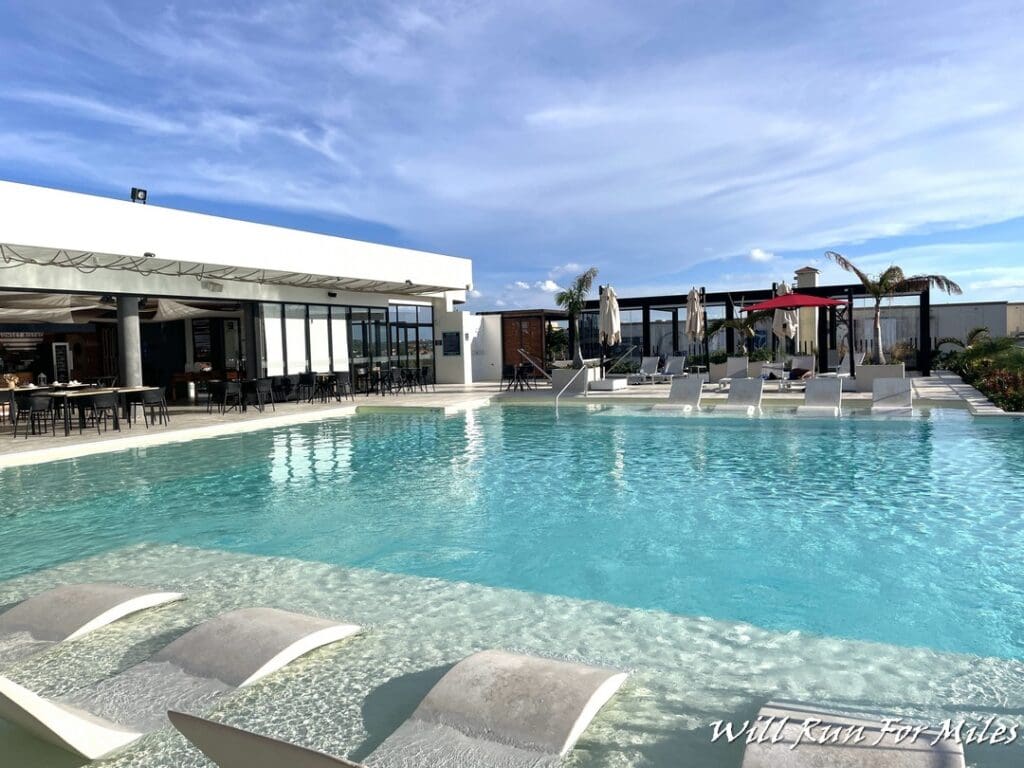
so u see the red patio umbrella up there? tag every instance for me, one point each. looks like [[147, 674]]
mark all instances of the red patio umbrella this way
[[793, 301]]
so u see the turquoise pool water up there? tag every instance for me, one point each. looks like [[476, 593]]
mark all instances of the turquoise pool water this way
[[907, 532]]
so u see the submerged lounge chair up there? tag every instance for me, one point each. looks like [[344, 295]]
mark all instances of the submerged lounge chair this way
[[892, 397], [683, 396], [887, 753], [744, 397], [230, 651], [491, 709], [69, 611], [822, 397]]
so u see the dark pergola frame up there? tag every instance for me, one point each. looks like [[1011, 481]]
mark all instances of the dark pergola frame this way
[[829, 318]]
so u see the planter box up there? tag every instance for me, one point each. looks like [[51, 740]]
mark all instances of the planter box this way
[[865, 375], [561, 376]]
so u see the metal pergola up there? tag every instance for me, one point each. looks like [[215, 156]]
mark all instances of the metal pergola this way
[[829, 318]]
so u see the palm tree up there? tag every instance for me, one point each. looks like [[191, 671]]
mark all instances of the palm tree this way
[[746, 325], [572, 300], [890, 282], [973, 338]]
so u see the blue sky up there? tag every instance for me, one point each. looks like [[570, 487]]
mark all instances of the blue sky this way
[[669, 144]]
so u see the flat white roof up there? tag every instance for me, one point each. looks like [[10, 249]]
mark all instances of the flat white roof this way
[[57, 229]]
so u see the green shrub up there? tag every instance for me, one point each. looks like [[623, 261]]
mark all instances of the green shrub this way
[[762, 355], [995, 367], [718, 357]]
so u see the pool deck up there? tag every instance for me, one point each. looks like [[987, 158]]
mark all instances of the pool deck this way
[[192, 422]]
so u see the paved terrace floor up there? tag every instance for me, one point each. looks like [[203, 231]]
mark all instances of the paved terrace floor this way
[[190, 422]]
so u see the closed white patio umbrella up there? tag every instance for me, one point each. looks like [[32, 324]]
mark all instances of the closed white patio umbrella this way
[[610, 329], [786, 321], [694, 315]]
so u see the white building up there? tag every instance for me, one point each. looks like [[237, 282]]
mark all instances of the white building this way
[[133, 288]]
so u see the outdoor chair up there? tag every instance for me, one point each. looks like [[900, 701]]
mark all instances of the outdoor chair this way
[[744, 397], [822, 397], [683, 396], [264, 392], [35, 411], [843, 370], [233, 650], [735, 368], [426, 378], [307, 386], [648, 373], [343, 385], [491, 709], [508, 376], [231, 397], [214, 394], [98, 408], [675, 366], [892, 397], [154, 401]]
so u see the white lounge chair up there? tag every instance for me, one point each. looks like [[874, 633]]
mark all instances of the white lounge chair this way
[[843, 370], [683, 396], [735, 368], [69, 611], [491, 709], [822, 397], [675, 366], [230, 651], [892, 397], [648, 373], [744, 397], [784, 722]]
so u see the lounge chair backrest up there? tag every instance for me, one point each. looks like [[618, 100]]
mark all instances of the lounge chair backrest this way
[[649, 365], [736, 367], [824, 393], [803, 362], [686, 391], [745, 392], [844, 364], [674, 366], [892, 393]]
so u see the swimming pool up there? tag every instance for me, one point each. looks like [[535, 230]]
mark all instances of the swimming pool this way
[[904, 532]]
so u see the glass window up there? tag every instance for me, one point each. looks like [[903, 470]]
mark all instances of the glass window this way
[[378, 332], [425, 315], [273, 340], [319, 340], [359, 339], [339, 338], [425, 349], [295, 338], [661, 332]]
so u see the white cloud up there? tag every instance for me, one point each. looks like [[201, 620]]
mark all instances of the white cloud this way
[[548, 286], [522, 284], [761, 255], [475, 294]]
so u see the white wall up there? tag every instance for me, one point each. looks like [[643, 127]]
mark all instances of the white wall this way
[[486, 349], [455, 369]]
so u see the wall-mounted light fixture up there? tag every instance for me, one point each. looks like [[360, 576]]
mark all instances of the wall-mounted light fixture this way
[[332, 295], [149, 255], [139, 195], [211, 286], [408, 282]]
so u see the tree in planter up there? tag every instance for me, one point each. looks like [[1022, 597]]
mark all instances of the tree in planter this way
[[572, 299], [888, 283], [746, 325]]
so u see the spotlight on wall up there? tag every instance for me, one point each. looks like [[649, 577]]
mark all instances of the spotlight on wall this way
[[211, 286], [332, 295], [408, 282], [139, 195], [149, 255]]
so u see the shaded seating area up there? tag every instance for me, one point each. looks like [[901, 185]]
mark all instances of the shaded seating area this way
[[233, 650], [791, 746], [491, 709], [39, 410]]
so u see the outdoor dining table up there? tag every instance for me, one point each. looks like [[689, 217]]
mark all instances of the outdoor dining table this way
[[79, 395]]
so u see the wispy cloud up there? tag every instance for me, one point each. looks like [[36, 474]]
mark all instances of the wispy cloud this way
[[666, 145]]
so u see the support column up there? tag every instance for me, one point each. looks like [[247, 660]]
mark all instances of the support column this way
[[822, 339], [730, 333], [249, 350], [851, 342], [645, 322], [129, 341], [924, 342]]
